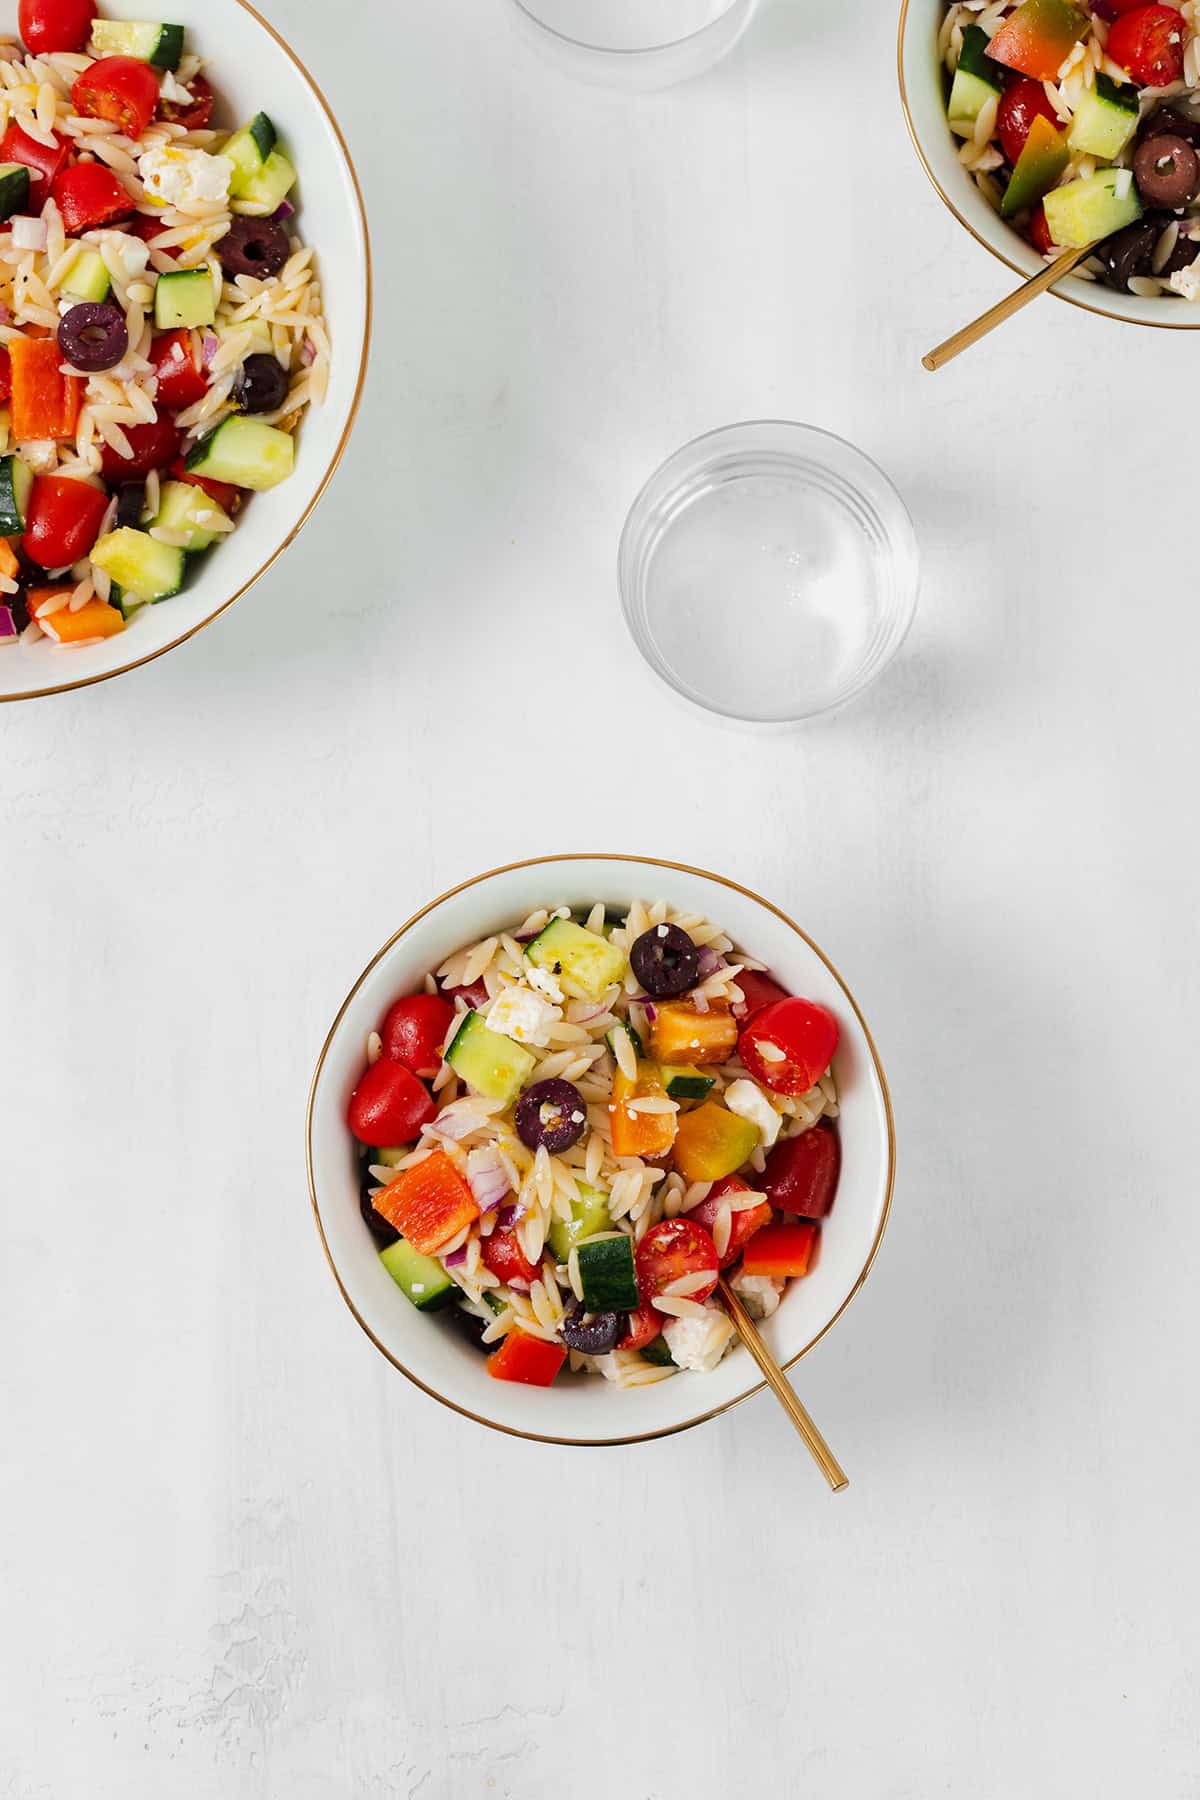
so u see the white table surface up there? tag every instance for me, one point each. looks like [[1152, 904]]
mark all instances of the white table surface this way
[[241, 1557]]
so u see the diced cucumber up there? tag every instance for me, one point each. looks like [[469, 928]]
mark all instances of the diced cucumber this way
[[619, 1031], [493, 1065], [16, 479], [1093, 207], [683, 1081], [658, 1352], [245, 452], [265, 191], [494, 1303], [184, 297], [187, 508], [146, 569], [126, 604], [248, 149], [977, 79], [606, 1274], [589, 1217], [588, 962], [389, 1159], [87, 277], [1105, 118], [422, 1278], [160, 45], [14, 189]]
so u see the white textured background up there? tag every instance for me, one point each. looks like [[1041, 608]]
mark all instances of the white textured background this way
[[239, 1556]]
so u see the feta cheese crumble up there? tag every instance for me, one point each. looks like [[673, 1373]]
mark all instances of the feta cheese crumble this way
[[523, 1015], [759, 1294], [174, 177], [747, 1099], [699, 1343]]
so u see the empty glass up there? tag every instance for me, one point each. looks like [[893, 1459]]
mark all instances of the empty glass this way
[[768, 571], [636, 44]]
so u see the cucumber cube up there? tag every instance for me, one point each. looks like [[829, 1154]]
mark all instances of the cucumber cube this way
[[1093, 207]]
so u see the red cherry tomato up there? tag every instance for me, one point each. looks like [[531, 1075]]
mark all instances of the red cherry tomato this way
[[743, 1225], [645, 1324], [757, 990], [149, 230], [181, 381], [503, 1255], [1149, 44], [154, 445], [118, 88], [89, 195], [193, 115], [1039, 230], [673, 1248], [414, 1030], [804, 1032], [802, 1172], [42, 162], [62, 519], [5, 374], [223, 492], [389, 1106], [473, 996], [1023, 102], [48, 26]]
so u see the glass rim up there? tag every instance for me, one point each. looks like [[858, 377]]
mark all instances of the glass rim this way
[[575, 43]]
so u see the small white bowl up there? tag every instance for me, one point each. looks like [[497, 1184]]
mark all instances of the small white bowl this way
[[251, 67], [590, 1410], [923, 97]]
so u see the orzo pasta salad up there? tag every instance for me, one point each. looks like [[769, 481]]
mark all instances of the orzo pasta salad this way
[[160, 320], [1081, 124], [579, 1122]]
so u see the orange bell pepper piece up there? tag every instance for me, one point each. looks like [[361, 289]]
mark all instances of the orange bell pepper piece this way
[[45, 402], [428, 1203], [680, 1034], [95, 620], [780, 1250], [8, 560], [638, 1133], [528, 1359], [712, 1142]]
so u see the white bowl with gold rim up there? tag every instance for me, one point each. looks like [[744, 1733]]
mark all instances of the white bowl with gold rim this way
[[587, 1409], [251, 67], [923, 97]]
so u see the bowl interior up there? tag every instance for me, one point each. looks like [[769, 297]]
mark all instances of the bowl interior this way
[[586, 1409], [251, 68], [923, 96]]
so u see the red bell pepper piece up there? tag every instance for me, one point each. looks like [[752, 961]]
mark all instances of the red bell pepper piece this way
[[95, 620], [1039, 36], [743, 1225], [223, 492], [118, 88], [780, 1250], [528, 1359], [428, 1203], [181, 382], [45, 402], [89, 195], [42, 162], [154, 445]]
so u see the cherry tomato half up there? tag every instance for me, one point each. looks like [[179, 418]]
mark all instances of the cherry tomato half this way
[[223, 492], [119, 88], [48, 26], [503, 1255], [1149, 44], [389, 1106], [42, 162], [89, 195], [802, 1172], [788, 1045], [193, 115], [672, 1248], [1039, 230], [414, 1030], [62, 519], [1023, 102], [154, 445], [743, 1225], [757, 990], [181, 381], [148, 229], [644, 1325]]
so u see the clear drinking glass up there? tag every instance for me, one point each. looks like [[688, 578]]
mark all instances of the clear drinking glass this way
[[637, 44], [768, 571]]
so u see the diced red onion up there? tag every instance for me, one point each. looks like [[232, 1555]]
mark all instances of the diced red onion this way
[[455, 1125], [209, 348], [710, 962], [8, 626], [308, 354], [651, 1012], [508, 1216], [486, 1178], [456, 1258], [284, 210], [589, 1013], [27, 233]]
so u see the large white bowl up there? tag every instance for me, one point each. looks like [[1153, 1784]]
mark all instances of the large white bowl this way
[[590, 1410], [923, 97], [251, 67]]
